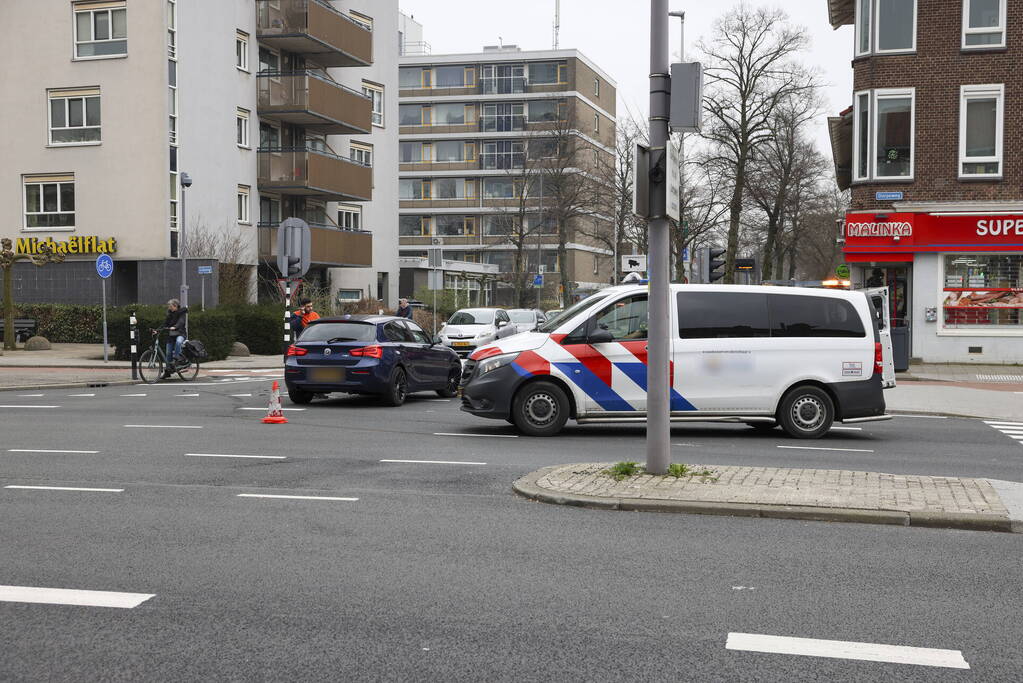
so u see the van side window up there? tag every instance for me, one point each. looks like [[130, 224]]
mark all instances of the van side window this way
[[626, 319], [720, 315], [794, 315]]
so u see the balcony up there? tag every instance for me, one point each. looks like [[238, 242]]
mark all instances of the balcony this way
[[330, 245], [314, 30], [305, 98], [312, 172]]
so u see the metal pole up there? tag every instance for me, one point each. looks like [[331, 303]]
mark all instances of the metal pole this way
[[658, 429], [202, 305], [435, 301], [183, 296], [105, 346], [287, 315], [134, 332]]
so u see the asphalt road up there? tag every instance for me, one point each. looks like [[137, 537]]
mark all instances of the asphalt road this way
[[437, 571]]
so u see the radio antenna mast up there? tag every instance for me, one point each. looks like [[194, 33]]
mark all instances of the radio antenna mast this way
[[557, 21]]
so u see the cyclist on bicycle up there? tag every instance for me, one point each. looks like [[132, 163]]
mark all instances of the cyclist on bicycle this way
[[174, 323]]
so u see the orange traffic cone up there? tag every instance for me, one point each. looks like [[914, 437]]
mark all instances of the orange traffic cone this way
[[274, 415]]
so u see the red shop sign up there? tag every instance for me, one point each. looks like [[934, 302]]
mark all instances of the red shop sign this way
[[912, 232]]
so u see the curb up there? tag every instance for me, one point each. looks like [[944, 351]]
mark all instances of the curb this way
[[74, 385], [527, 488]]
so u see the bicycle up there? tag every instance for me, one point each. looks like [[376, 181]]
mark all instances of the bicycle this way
[[154, 359]]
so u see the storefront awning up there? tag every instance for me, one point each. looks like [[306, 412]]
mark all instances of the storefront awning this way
[[840, 129]]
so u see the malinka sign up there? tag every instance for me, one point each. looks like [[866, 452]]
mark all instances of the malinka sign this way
[[79, 244]]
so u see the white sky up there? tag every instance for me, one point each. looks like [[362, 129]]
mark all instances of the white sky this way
[[615, 35]]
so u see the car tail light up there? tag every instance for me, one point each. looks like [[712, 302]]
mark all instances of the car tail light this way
[[878, 359], [297, 350], [485, 353], [374, 351]]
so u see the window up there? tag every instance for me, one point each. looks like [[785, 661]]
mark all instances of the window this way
[[983, 24], [361, 19], [454, 226], [418, 335], [449, 114], [411, 152], [452, 188], [269, 60], [413, 188], [49, 202], [243, 203], [983, 292], [413, 226], [721, 315], [413, 115], [269, 136], [500, 188], [503, 154], [449, 150], [269, 210], [885, 26], [981, 114], [543, 73], [626, 319], [349, 295], [543, 110], [361, 153], [101, 32], [172, 29], [503, 79], [596, 123], [450, 76], [242, 127], [596, 87], [503, 117], [376, 93], [410, 77], [241, 50], [349, 217], [812, 316], [861, 136], [883, 132], [504, 260], [74, 116]]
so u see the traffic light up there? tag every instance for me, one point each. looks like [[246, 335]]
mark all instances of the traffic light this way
[[293, 248], [294, 267], [711, 265]]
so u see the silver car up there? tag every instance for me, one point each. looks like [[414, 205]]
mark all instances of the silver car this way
[[526, 319], [469, 328]]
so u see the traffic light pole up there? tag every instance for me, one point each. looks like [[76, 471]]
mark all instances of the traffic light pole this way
[[658, 428]]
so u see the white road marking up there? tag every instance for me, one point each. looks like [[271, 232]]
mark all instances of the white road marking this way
[[821, 448], [69, 596], [225, 455], [848, 429], [267, 495], [265, 409], [188, 395], [496, 436], [997, 423], [64, 488], [164, 426], [926, 417], [80, 395], [42, 450], [241, 395], [844, 649], [438, 400], [25, 406], [438, 462], [30, 395], [132, 395]]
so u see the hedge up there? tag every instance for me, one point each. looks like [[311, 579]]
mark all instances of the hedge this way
[[261, 328], [65, 323]]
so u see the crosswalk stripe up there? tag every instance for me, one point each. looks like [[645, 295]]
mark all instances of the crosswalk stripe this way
[[844, 649], [69, 596]]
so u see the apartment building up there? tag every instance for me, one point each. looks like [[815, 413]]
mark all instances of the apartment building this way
[[274, 108], [482, 138], [931, 150]]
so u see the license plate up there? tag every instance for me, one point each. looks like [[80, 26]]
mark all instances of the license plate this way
[[461, 344], [326, 375]]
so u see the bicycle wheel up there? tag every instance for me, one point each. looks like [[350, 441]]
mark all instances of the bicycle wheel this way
[[188, 372], [150, 366]]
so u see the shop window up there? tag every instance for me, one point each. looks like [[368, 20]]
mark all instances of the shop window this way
[[49, 202], [983, 292], [885, 26], [74, 116], [101, 32], [981, 113], [983, 24]]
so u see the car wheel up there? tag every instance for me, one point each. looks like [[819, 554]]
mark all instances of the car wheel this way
[[762, 427], [450, 390], [540, 409], [397, 388], [806, 412], [300, 397]]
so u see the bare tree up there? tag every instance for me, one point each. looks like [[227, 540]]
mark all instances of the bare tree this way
[[750, 72], [230, 248]]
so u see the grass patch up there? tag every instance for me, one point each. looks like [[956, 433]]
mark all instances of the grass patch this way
[[623, 470], [679, 470]]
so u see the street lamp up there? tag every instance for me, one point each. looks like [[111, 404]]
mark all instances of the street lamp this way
[[186, 182]]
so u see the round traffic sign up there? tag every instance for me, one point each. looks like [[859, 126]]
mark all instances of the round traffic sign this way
[[842, 270], [104, 266]]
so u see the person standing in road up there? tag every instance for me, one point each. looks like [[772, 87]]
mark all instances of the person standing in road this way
[[175, 323], [303, 316], [404, 310]]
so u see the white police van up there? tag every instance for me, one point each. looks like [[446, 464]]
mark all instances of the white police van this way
[[766, 356]]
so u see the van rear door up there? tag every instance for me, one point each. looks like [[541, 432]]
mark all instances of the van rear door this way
[[878, 297]]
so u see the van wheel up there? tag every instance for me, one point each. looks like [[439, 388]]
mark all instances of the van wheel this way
[[540, 409], [806, 412]]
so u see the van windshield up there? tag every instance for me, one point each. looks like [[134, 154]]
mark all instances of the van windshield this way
[[571, 311]]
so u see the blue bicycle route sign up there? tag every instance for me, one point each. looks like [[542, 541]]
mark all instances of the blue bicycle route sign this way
[[104, 266]]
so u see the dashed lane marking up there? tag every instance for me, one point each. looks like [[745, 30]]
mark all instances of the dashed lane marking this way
[[64, 488], [163, 426], [132, 395], [69, 596], [43, 450], [268, 495], [822, 448], [438, 462], [188, 395], [241, 395], [847, 429], [844, 649], [225, 455], [488, 436], [80, 395], [28, 406], [31, 395]]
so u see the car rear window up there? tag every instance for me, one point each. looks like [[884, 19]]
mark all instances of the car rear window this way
[[350, 331]]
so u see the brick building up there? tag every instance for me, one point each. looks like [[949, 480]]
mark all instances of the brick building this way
[[931, 152]]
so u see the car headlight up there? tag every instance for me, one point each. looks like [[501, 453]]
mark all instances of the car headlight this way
[[495, 362]]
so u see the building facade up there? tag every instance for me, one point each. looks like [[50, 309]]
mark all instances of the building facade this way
[[932, 152], [273, 108], [486, 142]]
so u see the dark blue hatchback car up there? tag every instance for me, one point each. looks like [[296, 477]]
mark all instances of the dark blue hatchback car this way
[[383, 355]]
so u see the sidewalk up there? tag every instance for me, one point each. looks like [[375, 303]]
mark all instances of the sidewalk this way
[[82, 365], [824, 495], [963, 372]]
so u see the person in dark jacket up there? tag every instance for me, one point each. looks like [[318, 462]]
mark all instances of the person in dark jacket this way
[[175, 322], [404, 310]]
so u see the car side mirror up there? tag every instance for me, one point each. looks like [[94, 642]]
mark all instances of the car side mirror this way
[[500, 324], [436, 340], [600, 336]]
